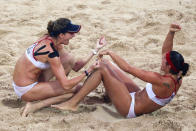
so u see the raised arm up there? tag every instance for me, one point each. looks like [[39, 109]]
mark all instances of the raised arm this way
[[168, 43]]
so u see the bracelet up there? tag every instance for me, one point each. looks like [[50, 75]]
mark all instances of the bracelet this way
[[86, 73], [94, 52]]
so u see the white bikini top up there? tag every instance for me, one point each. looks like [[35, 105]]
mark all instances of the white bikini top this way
[[30, 55], [154, 97]]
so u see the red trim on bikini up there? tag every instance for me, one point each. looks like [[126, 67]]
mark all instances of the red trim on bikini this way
[[45, 38]]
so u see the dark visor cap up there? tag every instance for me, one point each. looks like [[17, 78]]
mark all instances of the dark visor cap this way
[[73, 28]]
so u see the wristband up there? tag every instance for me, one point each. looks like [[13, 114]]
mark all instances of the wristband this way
[[94, 52], [86, 73]]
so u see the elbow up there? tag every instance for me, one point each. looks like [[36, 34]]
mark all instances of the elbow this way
[[78, 66], [66, 85]]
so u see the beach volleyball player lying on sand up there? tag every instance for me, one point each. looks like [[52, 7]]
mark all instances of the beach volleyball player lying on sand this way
[[47, 58], [129, 100]]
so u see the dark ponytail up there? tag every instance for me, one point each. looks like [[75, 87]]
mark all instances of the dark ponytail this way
[[50, 27], [185, 69]]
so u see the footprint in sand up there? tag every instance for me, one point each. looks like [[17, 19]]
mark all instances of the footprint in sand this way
[[5, 58], [97, 25], [2, 73], [126, 19], [82, 16], [150, 24], [167, 124], [132, 18], [174, 13], [86, 108], [13, 103], [119, 46], [194, 18], [81, 7], [105, 2], [90, 100], [3, 32], [151, 42], [5, 85]]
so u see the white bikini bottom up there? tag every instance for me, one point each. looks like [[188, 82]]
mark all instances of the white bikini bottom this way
[[22, 90], [131, 113]]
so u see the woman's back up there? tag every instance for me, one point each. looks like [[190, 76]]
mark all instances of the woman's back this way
[[147, 102], [25, 72]]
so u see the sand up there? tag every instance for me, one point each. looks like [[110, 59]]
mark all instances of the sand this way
[[135, 29]]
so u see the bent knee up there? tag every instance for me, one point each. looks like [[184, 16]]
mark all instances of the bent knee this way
[[104, 64]]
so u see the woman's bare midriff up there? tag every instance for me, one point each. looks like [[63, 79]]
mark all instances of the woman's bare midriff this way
[[143, 104]]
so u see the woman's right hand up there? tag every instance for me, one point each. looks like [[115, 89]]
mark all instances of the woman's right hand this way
[[174, 27], [102, 53]]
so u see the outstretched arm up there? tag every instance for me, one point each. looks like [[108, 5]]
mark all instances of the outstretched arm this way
[[82, 62], [147, 76], [117, 59], [168, 43]]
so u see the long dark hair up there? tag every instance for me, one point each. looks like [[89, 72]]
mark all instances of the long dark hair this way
[[178, 63]]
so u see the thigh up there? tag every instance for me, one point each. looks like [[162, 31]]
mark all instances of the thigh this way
[[117, 92], [131, 86], [44, 90]]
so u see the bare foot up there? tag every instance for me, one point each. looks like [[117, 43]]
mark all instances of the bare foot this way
[[27, 109], [31, 107], [65, 106]]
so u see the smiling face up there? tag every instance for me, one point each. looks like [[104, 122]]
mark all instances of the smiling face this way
[[64, 38]]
